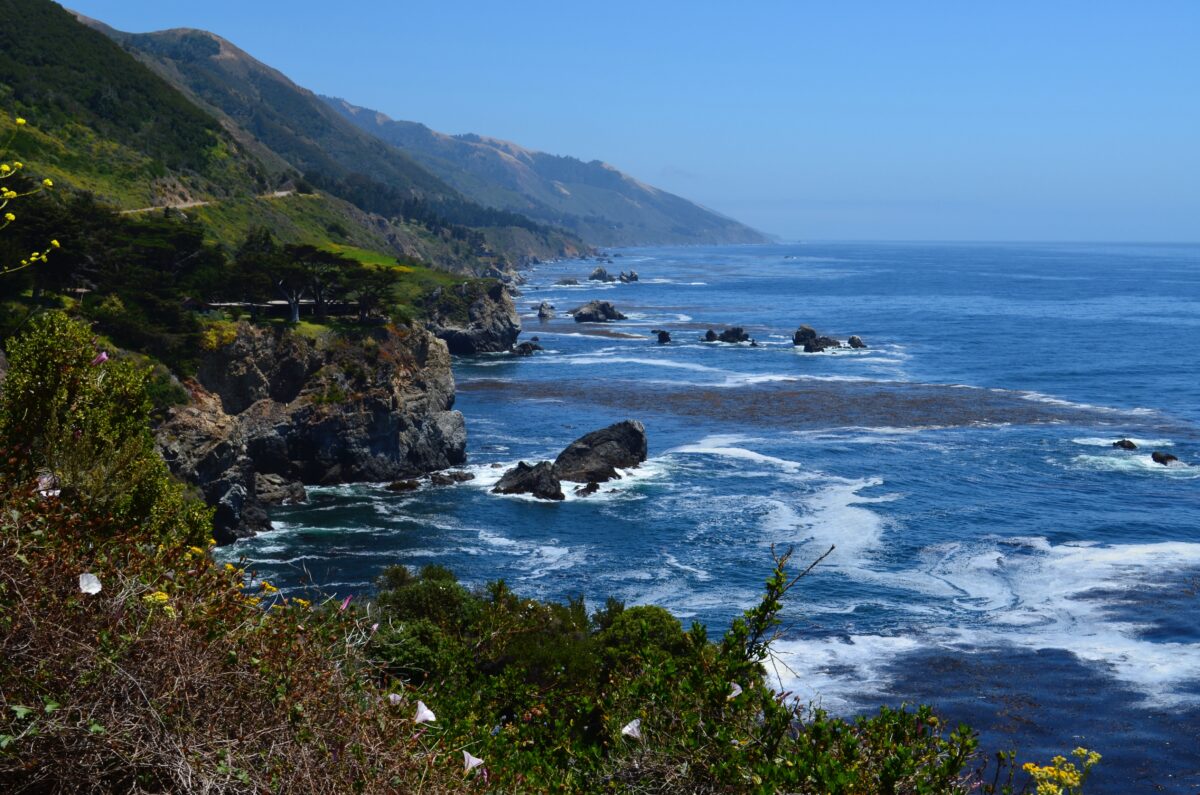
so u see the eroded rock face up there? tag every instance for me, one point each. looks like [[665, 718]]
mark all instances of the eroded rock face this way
[[272, 411], [538, 480], [595, 458], [596, 312], [601, 275], [474, 317]]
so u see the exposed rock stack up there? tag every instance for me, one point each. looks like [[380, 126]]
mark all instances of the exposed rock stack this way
[[601, 275], [1166, 459], [731, 335], [663, 336], [596, 312], [273, 410], [591, 459], [807, 337], [474, 317], [626, 278], [545, 311], [1124, 444]]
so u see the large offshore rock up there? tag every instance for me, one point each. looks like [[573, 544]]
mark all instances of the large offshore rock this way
[[596, 312], [595, 458], [538, 480]]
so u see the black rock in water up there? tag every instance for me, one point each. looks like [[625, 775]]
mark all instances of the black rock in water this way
[[527, 348], [628, 277], [596, 312], [1162, 458], [567, 282], [663, 336], [588, 490], [538, 480], [1124, 444], [596, 456], [404, 485], [450, 478], [710, 336], [601, 275], [856, 342], [735, 334]]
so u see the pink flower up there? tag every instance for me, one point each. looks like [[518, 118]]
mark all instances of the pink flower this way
[[101, 358], [374, 628], [345, 603]]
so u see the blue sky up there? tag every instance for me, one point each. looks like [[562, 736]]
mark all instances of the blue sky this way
[[849, 120]]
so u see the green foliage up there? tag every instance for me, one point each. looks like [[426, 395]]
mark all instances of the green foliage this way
[[541, 691], [81, 425]]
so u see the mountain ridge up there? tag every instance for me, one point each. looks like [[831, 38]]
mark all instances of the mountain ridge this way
[[594, 199]]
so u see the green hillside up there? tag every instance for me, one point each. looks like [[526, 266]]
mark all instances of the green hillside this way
[[293, 127]]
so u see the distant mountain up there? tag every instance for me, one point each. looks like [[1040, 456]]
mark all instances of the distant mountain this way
[[291, 128], [595, 200]]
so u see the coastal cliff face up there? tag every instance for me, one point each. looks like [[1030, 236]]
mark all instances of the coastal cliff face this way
[[474, 317], [272, 410]]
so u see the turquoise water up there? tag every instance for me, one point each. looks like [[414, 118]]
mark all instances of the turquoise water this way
[[994, 555]]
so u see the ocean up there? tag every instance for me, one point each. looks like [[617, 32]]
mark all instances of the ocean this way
[[994, 555]]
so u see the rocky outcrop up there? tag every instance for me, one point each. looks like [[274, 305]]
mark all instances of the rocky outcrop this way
[[595, 458], [1166, 459], [527, 348], [626, 278], [663, 336], [273, 410], [1124, 444], [596, 312], [567, 282], [537, 480], [544, 311], [449, 478], [807, 337], [473, 317], [856, 341], [601, 275]]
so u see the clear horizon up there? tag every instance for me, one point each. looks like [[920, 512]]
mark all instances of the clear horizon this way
[[930, 122]]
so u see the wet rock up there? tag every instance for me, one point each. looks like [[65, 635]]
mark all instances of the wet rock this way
[[527, 348], [404, 485], [1162, 458], [627, 278], [450, 478], [663, 336], [538, 480], [856, 341], [601, 275], [596, 312], [1124, 444], [735, 334], [588, 490], [567, 282], [807, 337], [710, 336], [597, 455], [278, 490], [545, 311]]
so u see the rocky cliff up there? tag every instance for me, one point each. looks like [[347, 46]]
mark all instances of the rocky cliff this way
[[474, 317], [272, 410]]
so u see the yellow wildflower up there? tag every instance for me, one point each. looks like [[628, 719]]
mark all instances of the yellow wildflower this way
[[169, 610], [54, 244], [5, 167], [49, 183], [230, 567], [10, 217], [268, 587], [156, 598], [212, 542], [20, 122], [254, 600], [302, 602], [196, 550]]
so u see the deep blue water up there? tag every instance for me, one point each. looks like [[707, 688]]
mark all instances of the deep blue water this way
[[995, 556]]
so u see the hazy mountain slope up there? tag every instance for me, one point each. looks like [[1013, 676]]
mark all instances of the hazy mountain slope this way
[[597, 201]]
